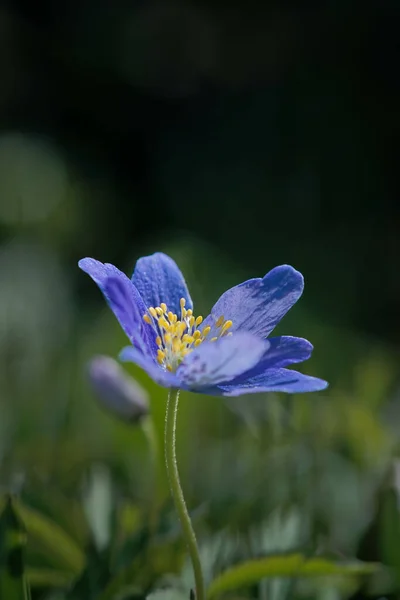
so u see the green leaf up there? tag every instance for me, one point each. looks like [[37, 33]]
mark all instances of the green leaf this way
[[13, 582], [48, 578], [290, 565], [62, 551]]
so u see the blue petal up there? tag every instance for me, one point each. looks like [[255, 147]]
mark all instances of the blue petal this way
[[124, 300], [127, 305], [99, 271], [153, 370], [158, 279], [273, 380], [257, 305], [282, 351], [223, 360]]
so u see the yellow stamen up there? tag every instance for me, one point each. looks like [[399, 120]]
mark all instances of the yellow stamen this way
[[227, 325], [163, 323], [177, 336]]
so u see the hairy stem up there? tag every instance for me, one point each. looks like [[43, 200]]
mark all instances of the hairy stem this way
[[176, 490]]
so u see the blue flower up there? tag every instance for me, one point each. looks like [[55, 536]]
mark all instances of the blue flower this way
[[226, 354]]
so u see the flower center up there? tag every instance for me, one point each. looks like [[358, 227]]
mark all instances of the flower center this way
[[178, 337]]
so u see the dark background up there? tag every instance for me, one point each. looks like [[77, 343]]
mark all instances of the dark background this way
[[267, 129], [234, 136]]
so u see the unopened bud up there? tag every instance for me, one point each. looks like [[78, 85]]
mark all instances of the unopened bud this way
[[116, 391]]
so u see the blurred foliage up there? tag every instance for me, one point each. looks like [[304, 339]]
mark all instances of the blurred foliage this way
[[234, 137], [266, 476]]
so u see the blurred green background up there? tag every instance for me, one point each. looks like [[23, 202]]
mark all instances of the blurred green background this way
[[235, 137]]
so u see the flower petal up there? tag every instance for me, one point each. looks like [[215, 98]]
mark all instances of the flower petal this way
[[153, 370], [272, 380], [158, 279], [282, 351], [257, 305], [99, 271], [124, 300], [222, 360]]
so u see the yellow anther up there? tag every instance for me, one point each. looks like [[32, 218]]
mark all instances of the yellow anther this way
[[163, 323], [227, 325], [220, 321], [177, 336], [181, 326]]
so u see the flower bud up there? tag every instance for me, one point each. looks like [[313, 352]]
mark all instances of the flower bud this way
[[116, 391]]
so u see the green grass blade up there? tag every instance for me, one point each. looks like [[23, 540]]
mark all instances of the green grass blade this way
[[291, 565], [62, 550], [13, 581]]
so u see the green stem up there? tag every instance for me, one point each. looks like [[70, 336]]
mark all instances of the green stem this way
[[176, 490]]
